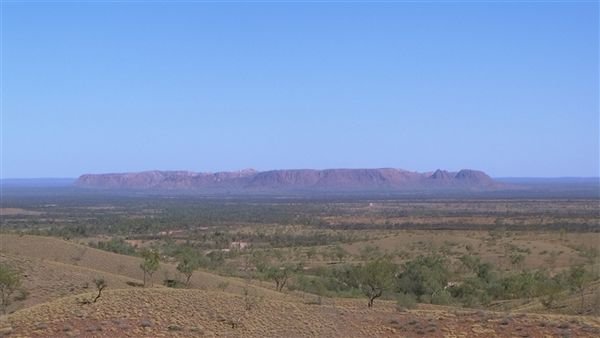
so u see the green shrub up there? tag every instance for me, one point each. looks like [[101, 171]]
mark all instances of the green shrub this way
[[423, 277], [442, 297], [116, 245], [10, 281], [405, 301]]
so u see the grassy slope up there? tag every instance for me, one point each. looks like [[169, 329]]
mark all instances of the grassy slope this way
[[54, 250], [46, 280]]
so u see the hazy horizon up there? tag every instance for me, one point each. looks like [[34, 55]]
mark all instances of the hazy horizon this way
[[495, 177], [507, 88]]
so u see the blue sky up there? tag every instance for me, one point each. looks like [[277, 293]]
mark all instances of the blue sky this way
[[508, 88]]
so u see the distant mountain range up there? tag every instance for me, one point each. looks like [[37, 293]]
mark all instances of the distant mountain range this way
[[294, 180]]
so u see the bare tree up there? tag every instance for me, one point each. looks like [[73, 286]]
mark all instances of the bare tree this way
[[100, 285]]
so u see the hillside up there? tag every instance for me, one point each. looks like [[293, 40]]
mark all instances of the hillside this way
[[193, 313], [46, 280], [57, 272], [64, 267], [307, 180]]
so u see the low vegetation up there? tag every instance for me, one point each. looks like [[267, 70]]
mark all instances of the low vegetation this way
[[498, 255], [151, 261], [100, 286], [10, 281]]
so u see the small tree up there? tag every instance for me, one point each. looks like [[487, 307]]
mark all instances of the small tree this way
[[339, 253], [310, 253], [150, 263], [100, 285], [279, 274], [591, 255], [579, 278], [551, 260], [550, 292], [188, 263], [375, 277], [470, 262], [10, 281], [517, 259], [259, 260], [562, 234]]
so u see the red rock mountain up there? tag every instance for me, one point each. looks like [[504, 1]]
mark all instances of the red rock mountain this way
[[385, 179]]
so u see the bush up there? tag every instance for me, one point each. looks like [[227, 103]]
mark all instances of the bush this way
[[10, 281], [475, 291], [173, 283], [116, 245], [405, 301], [222, 286], [22, 295], [423, 277], [442, 297]]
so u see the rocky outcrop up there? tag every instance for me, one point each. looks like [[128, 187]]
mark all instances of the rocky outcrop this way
[[385, 179]]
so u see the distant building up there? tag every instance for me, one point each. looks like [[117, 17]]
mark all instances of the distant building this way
[[239, 245], [171, 232]]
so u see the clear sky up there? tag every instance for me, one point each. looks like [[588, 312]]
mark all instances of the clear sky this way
[[508, 88]]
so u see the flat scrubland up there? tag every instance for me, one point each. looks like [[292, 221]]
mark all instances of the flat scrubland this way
[[302, 267], [18, 211]]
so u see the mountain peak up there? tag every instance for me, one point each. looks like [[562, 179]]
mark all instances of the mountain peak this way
[[441, 175]]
